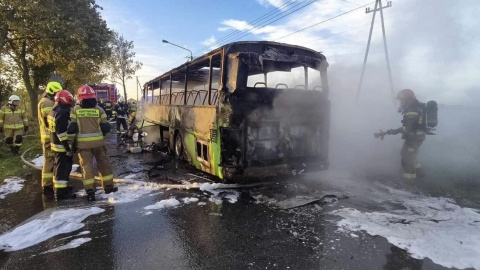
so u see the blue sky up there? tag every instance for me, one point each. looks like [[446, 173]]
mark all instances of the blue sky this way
[[431, 43]]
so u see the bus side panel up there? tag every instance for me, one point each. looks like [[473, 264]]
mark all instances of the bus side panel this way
[[197, 125]]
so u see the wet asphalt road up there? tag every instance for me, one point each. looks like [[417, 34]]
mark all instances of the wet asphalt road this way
[[247, 234]]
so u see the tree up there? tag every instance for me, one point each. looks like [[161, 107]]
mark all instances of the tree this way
[[69, 37], [121, 63]]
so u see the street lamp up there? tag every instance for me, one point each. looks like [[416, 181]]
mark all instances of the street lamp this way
[[191, 55]]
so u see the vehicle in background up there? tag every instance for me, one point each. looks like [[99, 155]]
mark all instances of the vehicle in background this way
[[105, 91], [247, 110]]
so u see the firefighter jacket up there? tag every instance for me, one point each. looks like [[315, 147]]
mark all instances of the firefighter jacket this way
[[108, 105], [58, 120], [90, 125], [132, 107], [45, 105], [12, 117], [121, 110], [413, 123]]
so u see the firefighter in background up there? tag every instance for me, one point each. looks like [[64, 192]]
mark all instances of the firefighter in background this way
[[120, 112], [89, 123], [132, 108], [44, 107], [108, 108], [101, 104], [413, 131], [58, 120], [14, 122]]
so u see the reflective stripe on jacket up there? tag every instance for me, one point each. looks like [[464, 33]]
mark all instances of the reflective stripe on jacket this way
[[88, 120], [58, 120], [413, 123], [108, 105], [45, 105], [13, 119]]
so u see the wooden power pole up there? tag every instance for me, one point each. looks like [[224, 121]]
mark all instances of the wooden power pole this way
[[378, 7]]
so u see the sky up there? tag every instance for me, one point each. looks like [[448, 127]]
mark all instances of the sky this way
[[432, 44]]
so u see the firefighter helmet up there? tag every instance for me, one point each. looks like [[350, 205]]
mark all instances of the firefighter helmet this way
[[406, 94], [121, 99], [13, 98], [64, 97], [53, 88], [85, 92]]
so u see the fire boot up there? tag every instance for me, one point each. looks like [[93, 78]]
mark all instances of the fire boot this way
[[48, 192], [109, 189], [90, 195], [16, 149], [65, 193]]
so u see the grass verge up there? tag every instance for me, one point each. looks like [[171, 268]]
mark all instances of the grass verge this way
[[11, 165]]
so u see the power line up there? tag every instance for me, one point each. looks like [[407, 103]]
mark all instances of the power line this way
[[273, 13], [282, 16], [329, 19], [350, 2], [262, 18], [259, 23], [260, 26]]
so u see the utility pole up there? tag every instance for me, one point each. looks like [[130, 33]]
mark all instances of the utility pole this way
[[378, 7], [137, 87]]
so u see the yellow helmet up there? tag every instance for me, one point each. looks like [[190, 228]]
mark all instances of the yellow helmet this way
[[53, 88]]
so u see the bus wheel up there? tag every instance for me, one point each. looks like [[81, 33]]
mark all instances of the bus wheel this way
[[178, 146]]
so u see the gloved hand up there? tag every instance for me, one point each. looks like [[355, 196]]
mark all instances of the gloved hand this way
[[25, 128], [380, 134]]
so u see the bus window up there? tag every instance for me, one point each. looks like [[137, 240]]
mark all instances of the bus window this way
[[215, 67], [314, 79]]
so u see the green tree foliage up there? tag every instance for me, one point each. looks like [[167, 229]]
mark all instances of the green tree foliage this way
[[121, 64], [6, 88], [69, 37]]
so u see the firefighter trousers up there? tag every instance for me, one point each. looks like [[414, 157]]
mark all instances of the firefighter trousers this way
[[13, 136], [61, 170], [123, 122], [48, 163], [103, 164], [409, 158]]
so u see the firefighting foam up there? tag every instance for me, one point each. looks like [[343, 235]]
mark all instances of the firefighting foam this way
[[427, 227], [11, 185], [46, 226]]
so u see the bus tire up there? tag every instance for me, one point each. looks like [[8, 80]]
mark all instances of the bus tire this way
[[178, 146]]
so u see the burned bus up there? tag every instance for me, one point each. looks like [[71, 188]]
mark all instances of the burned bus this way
[[246, 110]]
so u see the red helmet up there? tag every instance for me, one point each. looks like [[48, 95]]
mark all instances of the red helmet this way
[[64, 97], [85, 92]]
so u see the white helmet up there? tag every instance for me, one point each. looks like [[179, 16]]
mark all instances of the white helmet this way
[[121, 99], [13, 98]]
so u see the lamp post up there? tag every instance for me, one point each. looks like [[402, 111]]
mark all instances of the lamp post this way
[[191, 55]]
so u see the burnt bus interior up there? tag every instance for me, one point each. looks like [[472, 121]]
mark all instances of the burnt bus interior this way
[[280, 110], [271, 106]]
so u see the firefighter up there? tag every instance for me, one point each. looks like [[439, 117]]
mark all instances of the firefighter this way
[[413, 131], [101, 104], [58, 120], [89, 123], [108, 108], [44, 107], [14, 122], [120, 113], [132, 108]]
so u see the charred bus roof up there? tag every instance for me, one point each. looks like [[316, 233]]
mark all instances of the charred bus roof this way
[[270, 51]]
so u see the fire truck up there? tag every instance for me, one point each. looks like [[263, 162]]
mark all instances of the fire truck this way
[[105, 91]]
